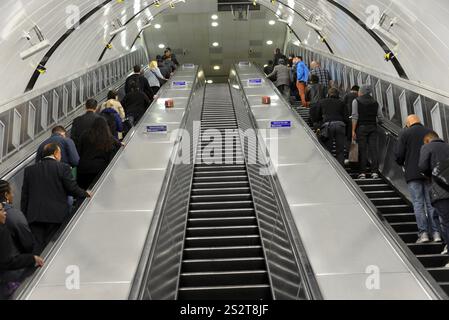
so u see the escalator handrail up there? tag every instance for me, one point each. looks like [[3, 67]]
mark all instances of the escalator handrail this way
[[415, 266]]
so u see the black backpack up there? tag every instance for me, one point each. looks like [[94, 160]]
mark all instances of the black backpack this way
[[441, 174]]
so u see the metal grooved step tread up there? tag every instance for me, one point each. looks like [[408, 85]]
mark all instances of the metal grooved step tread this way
[[400, 215], [223, 256]]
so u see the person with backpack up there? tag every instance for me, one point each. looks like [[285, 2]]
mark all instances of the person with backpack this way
[[366, 115], [434, 151], [408, 149]]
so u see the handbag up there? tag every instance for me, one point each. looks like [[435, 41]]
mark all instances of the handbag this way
[[325, 132], [441, 174], [354, 152]]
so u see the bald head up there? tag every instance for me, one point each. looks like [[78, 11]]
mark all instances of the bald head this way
[[314, 64], [412, 120]]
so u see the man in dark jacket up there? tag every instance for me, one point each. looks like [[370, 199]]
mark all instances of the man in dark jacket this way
[[84, 123], [141, 81], [46, 186], [366, 114], [278, 55], [433, 152], [135, 103], [10, 259], [169, 53], [334, 117], [17, 223], [69, 153], [408, 149]]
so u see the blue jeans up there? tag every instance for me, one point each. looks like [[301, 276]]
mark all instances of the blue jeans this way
[[426, 216]]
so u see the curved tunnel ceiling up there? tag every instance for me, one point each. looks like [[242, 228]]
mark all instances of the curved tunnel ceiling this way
[[421, 29]]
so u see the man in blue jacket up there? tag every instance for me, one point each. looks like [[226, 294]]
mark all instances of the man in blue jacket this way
[[69, 153], [302, 77]]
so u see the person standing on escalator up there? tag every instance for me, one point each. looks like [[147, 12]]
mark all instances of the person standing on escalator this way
[[282, 74], [407, 152], [366, 114], [302, 78], [434, 151], [11, 260], [333, 115]]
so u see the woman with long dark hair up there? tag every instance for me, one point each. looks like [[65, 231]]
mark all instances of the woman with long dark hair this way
[[97, 148]]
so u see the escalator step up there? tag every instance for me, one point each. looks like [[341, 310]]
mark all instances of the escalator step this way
[[221, 173], [252, 240], [440, 274], [408, 237], [221, 179], [230, 264], [223, 252], [199, 168], [402, 208], [433, 260], [223, 184], [221, 205], [214, 279], [375, 187], [395, 201], [254, 292], [405, 227], [219, 191], [222, 231], [214, 222], [221, 213], [426, 248], [381, 194], [221, 197], [400, 217]]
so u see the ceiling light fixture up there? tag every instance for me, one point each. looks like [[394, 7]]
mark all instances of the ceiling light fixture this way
[[269, 42], [157, 26], [271, 22], [161, 46], [214, 24], [214, 17], [217, 68], [215, 44]]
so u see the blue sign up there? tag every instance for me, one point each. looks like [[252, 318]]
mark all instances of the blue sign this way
[[188, 66], [179, 84], [255, 82], [162, 128], [281, 124]]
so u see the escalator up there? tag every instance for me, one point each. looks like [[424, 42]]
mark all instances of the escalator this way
[[223, 257], [399, 213]]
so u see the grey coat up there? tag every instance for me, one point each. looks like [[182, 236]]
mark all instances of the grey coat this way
[[282, 74]]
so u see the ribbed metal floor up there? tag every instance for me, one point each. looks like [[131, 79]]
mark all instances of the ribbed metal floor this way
[[399, 213], [223, 256]]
